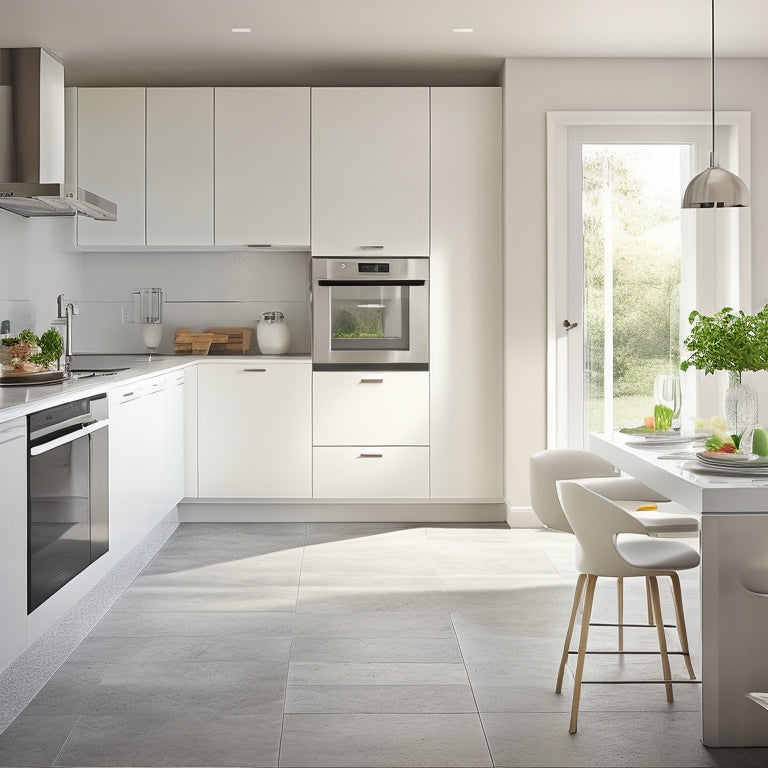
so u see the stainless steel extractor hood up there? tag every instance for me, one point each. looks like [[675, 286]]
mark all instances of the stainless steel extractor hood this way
[[32, 140]]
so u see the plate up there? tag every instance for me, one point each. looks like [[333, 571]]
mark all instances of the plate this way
[[743, 469], [649, 432], [716, 457], [26, 379], [745, 464]]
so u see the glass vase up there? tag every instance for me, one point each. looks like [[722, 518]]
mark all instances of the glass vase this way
[[740, 405]]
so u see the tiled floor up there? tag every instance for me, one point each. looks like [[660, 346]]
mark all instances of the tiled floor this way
[[356, 645]]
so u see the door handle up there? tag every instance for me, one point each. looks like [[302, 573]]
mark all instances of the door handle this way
[[568, 325]]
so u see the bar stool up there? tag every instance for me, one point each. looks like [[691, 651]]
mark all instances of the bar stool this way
[[668, 518], [611, 542]]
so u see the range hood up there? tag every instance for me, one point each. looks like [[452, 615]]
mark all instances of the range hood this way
[[32, 140]]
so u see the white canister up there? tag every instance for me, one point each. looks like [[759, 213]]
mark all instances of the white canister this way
[[272, 334]]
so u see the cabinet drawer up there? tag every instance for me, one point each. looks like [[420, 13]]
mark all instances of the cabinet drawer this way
[[370, 408], [371, 472]]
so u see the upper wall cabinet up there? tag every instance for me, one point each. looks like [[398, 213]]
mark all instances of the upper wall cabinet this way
[[110, 161], [262, 166], [370, 171], [179, 166]]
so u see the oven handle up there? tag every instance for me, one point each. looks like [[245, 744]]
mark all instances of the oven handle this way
[[70, 437], [373, 281]]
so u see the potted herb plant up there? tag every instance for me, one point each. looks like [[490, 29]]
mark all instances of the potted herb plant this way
[[734, 342]]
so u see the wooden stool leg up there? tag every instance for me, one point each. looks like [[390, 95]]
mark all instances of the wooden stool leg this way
[[620, 599], [569, 634], [588, 597], [680, 621], [648, 603], [654, 587]]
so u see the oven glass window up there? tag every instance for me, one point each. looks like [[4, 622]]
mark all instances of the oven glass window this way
[[369, 317], [59, 517]]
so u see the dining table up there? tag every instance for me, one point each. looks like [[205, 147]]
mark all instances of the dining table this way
[[731, 498]]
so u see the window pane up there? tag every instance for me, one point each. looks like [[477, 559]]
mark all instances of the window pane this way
[[632, 257]]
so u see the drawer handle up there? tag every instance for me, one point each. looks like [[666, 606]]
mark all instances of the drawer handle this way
[[254, 370], [371, 456], [128, 394], [371, 381], [371, 247]]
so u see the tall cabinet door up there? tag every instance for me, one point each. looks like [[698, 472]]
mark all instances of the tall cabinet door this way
[[262, 166], [466, 443], [179, 166], [110, 162], [370, 171]]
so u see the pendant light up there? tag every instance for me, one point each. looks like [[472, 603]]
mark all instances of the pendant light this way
[[715, 187]]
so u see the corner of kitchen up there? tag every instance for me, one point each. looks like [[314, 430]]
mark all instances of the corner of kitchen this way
[[261, 378]]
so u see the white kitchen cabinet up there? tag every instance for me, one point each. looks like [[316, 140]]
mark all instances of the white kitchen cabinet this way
[[371, 472], [262, 166], [466, 443], [13, 540], [370, 408], [125, 469], [370, 171], [110, 162], [175, 439], [179, 166], [255, 429], [154, 452]]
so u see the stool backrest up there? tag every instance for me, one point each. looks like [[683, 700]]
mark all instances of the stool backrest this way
[[596, 522], [547, 467]]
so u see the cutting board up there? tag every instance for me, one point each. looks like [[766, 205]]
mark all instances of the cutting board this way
[[238, 340]]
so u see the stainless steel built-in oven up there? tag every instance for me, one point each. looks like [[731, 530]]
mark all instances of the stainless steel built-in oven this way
[[68, 505], [370, 314]]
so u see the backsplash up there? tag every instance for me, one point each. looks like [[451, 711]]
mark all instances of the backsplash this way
[[201, 289]]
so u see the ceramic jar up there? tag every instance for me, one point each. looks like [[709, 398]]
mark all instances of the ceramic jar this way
[[272, 334]]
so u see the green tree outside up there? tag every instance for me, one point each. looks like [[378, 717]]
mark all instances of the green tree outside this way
[[634, 191]]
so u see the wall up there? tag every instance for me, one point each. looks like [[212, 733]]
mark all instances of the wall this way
[[34, 269], [531, 88], [201, 289]]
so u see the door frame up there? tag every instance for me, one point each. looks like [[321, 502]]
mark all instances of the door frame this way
[[719, 282]]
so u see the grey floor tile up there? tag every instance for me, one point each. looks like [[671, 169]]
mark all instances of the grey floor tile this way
[[215, 739], [370, 741], [380, 625], [69, 690], [34, 740], [189, 623], [212, 598], [147, 650], [316, 599], [369, 699], [417, 649], [377, 674], [329, 533], [632, 739], [178, 691]]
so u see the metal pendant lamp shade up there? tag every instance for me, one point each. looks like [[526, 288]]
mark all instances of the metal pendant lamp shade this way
[[715, 187]]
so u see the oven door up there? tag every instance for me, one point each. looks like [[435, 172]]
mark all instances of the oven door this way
[[68, 518], [370, 314]]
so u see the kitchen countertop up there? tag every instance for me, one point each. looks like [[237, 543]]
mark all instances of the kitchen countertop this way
[[20, 401]]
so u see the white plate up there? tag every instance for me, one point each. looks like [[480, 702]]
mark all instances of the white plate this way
[[651, 441], [715, 457]]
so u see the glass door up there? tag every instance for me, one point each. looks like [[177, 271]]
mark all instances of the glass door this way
[[369, 316]]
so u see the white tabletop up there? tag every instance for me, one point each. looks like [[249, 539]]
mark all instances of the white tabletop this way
[[671, 469]]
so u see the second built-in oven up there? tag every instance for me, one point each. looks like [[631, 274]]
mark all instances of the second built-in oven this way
[[370, 314]]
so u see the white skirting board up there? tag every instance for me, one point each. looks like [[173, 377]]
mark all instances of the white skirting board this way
[[339, 511]]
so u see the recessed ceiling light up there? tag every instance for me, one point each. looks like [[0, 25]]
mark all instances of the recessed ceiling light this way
[[463, 29], [241, 29]]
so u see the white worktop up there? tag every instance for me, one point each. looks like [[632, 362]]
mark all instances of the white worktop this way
[[20, 401], [672, 469]]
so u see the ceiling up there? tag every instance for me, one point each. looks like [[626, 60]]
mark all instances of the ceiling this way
[[326, 42]]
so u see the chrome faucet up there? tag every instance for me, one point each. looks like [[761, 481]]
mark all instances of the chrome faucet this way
[[66, 310]]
